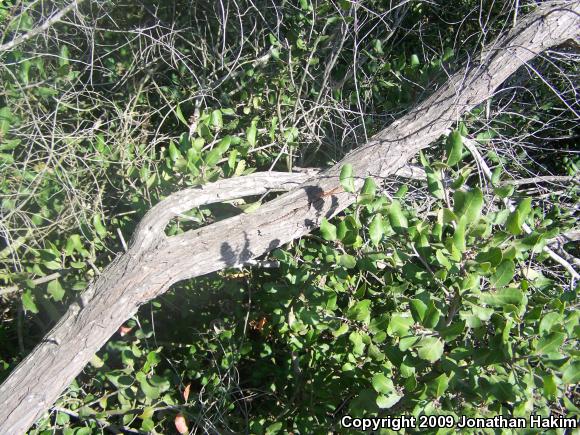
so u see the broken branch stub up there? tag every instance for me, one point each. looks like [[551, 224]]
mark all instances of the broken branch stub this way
[[154, 262]]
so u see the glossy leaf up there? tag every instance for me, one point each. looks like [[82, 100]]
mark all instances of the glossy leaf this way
[[504, 274], [327, 230], [396, 217], [376, 229], [430, 349], [454, 148], [346, 178]]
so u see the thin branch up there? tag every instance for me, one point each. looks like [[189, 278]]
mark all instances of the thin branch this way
[[44, 26], [471, 146], [542, 179]]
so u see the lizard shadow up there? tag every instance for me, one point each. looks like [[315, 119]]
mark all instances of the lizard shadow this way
[[237, 258], [317, 199], [319, 202]]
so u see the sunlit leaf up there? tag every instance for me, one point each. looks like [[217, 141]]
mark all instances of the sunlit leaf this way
[[346, 178], [430, 349], [454, 148], [503, 274], [327, 230]]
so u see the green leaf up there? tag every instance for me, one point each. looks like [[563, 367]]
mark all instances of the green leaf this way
[[496, 175], [251, 207], [152, 387], [452, 331], [550, 387], [240, 168], [550, 343], [459, 235], [492, 256], [28, 302], [368, 191], [468, 204], [291, 134], [96, 362], [442, 259], [347, 261], [232, 160], [397, 218], [251, 133], [52, 265], [369, 187], [514, 223], [274, 428], [343, 329], [484, 314], [517, 218], [415, 60], [224, 144], [119, 379], [357, 340], [180, 115], [216, 119], [74, 243], [385, 402], [6, 120], [361, 311], [434, 184], [147, 425], [98, 225], [448, 216], [147, 413], [401, 191], [430, 349], [418, 309], [426, 314], [439, 385], [504, 274], [571, 374], [327, 230], [55, 290], [407, 342], [213, 157], [346, 178], [174, 153], [64, 56], [504, 191], [342, 230], [505, 296], [399, 325], [454, 148], [525, 207], [549, 320], [382, 384], [376, 229], [63, 419]]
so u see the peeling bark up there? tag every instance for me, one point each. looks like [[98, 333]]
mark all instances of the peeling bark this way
[[154, 262]]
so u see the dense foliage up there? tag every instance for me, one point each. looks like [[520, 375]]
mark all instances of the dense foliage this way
[[425, 297]]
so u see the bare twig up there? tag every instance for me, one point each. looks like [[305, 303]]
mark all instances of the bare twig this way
[[43, 27]]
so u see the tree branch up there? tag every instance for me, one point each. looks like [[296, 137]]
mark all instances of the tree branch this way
[[44, 26]]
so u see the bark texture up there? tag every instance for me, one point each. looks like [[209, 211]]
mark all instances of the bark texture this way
[[154, 262]]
